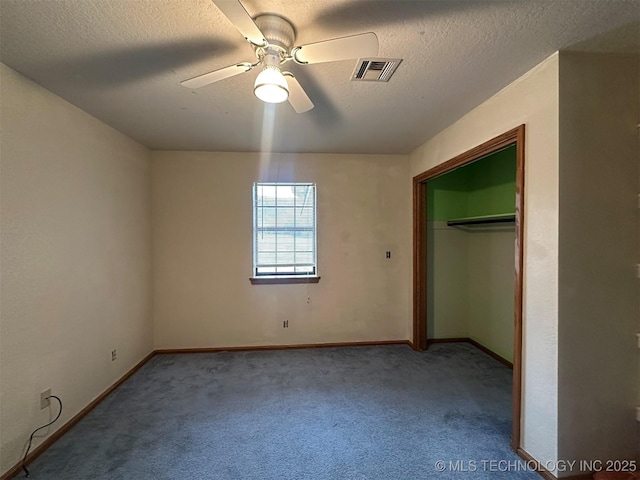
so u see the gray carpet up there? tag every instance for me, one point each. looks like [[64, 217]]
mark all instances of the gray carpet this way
[[333, 413]]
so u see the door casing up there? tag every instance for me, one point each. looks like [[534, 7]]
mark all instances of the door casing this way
[[515, 137]]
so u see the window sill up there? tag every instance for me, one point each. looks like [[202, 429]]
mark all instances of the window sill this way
[[282, 279]]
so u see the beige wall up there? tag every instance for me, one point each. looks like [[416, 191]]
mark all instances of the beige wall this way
[[447, 281], [530, 100], [491, 273], [598, 354], [470, 285], [75, 258], [202, 233]]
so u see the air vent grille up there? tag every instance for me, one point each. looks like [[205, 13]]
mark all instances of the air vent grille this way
[[375, 69]]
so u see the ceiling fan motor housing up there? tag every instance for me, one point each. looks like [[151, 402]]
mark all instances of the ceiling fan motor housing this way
[[279, 33]]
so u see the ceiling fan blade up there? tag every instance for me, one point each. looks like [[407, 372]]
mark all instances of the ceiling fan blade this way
[[217, 75], [297, 96], [236, 13], [345, 48]]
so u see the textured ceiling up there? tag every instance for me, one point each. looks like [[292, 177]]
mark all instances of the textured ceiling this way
[[123, 60]]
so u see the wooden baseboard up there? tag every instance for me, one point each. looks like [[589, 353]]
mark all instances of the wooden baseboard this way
[[36, 452], [502, 360], [449, 340], [546, 474], [282, 347]]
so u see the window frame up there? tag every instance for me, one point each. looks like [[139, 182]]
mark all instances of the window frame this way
[[287, 277]]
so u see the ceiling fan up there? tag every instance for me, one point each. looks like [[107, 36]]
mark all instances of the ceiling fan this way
[[272, 38]]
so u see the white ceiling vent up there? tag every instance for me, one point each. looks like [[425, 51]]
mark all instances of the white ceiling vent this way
[[375, 69]]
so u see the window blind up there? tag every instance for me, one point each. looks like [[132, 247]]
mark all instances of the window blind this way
[[284, 229]]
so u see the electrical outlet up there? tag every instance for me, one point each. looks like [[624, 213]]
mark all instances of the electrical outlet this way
[[308, 299], [44, 399], [285, 324], [113, 355]]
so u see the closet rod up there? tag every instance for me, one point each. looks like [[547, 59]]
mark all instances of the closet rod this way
[[491, 219]]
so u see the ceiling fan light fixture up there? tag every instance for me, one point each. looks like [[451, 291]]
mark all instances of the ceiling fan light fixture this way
[[271, 86]]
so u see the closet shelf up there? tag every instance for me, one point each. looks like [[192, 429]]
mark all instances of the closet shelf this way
[[484, 221]]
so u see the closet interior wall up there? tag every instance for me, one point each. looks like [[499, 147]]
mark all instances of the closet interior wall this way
[[470, 278]]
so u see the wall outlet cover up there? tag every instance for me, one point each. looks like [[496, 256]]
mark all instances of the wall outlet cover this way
[[44, 401]]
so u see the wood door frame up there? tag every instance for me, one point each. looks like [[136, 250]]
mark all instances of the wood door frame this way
[[515, 137]]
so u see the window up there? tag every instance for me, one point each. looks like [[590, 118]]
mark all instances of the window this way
[[284, 231]]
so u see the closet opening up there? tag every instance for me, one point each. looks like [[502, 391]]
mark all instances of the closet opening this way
[[468, 215]]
